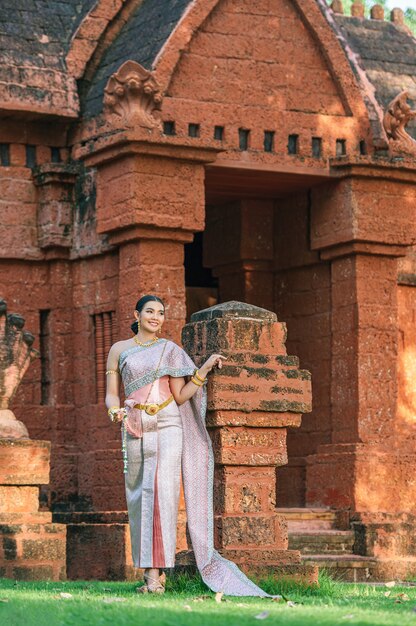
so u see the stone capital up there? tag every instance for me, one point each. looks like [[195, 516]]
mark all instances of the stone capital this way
[[350, 214]]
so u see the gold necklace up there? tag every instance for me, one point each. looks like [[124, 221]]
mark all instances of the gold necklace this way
[[145, 344]]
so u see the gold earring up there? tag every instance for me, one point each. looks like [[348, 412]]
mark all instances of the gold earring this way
[[138, 325]]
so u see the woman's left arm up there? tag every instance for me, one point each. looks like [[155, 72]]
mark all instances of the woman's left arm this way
[[183, 391]]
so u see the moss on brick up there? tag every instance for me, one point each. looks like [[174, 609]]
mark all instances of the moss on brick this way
[[260, 358], [302, 374], [261, 372], [284, 406], [287, 360], [285, 390]]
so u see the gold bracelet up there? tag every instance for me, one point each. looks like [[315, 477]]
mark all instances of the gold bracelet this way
[[111, 372], [198, 377], [196, 382], [112, 410]]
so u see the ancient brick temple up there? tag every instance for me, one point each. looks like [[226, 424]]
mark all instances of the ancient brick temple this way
[[259, 151]]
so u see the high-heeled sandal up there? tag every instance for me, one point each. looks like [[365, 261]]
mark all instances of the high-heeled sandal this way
[[153, 585]]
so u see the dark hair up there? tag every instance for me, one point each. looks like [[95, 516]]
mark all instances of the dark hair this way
[[140, 306]]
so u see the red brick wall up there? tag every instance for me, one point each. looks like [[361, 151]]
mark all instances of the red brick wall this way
[[18, 208], [249, 66], [95, 290]]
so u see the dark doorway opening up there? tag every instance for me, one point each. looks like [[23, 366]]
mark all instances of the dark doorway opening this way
[[201, 285]]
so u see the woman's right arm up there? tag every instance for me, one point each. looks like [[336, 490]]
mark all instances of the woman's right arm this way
[[112, 396]]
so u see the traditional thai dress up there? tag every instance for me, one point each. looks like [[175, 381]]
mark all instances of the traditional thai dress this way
[[158, 447]]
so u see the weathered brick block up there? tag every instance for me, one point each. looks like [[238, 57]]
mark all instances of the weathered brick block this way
[[255, 530], [110, 541], [44, 549], [250, 446], [15, 499], [33, 572], [24, 462], [9, 546], [238, 489]]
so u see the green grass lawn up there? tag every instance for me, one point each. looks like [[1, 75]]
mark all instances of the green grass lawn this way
[[187, 602]]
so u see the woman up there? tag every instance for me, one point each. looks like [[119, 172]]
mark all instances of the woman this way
[[163, 431]]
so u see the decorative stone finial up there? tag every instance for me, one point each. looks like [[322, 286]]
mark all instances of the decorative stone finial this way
[[133, 95], [357, 9], [337, 6], [377, 12], [16, 354], [396, 118], [397, 16]]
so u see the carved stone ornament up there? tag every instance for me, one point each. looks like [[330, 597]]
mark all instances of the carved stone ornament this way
[[16, 354], [397, 116], [133, 95]]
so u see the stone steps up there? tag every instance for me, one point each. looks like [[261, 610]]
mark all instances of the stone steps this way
[[348, 568], [326, 541], [320, 536], [308, 519]]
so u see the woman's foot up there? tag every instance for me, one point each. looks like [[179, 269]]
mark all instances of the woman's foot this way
[[154, 583]]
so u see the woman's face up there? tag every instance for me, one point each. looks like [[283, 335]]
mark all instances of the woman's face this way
[[151, 317]]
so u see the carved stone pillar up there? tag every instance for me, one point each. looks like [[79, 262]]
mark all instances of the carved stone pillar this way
[[238, 246], [252, 400]]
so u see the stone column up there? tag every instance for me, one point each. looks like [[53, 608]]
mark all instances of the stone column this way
[[252, 400], [238, 246], [363, 388], [153, 266], [361, 224]]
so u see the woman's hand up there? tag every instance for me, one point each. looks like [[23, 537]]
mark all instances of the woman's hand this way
[[215, 360], [117, 416]]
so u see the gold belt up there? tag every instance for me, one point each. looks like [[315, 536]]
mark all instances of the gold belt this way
[[153, 408]]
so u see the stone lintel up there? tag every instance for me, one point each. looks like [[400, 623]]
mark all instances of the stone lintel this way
[[58, 173], [349, 248], [135, 233], [234, 309], [396, 169], [112, 147]]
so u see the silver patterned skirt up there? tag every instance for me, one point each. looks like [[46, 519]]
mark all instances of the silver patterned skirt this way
[[152, 488]]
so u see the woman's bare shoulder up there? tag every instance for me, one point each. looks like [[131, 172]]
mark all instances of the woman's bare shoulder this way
[[118, 347]]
